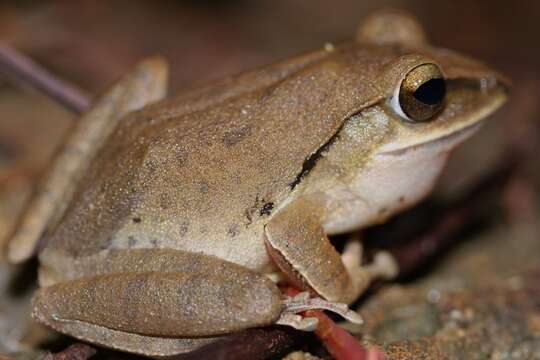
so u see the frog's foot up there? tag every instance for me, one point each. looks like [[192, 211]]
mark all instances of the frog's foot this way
[[298, 321], [201, 298], [303, 302], [384, 265], [352, 254]]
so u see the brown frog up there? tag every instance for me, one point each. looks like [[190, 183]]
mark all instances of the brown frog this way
[[166, 224]]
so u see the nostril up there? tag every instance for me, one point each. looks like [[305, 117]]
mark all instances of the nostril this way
[[492, 83], [487, 84]]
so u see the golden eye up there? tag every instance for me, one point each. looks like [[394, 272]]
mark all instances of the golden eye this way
[[421, 93]]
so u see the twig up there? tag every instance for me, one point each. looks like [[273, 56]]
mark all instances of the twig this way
[[252, 344], [22, 69], [76, 351]]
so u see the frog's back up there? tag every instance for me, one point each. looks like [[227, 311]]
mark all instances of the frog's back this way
[[210, 176]]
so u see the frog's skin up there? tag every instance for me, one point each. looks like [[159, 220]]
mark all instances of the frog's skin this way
[[163, 224]]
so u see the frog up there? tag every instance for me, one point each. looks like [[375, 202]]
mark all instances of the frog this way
[[165, 224]]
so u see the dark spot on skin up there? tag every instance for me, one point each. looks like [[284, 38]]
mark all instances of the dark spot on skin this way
[[402, 199], [323, 97], [165, 201], [154, 242], [382, 211], [312, 160], [184, 227], [266, 209], [130, 296], [248, 215], [233, 230], [237, 179], [235, 136], [251, 210], [261, 205], [106, 244], [151, 165], [131, 241], [203, 187], [204, 229], [180, 156], [136, 220]]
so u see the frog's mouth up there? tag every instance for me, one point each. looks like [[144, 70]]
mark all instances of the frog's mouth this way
[[440, 143]]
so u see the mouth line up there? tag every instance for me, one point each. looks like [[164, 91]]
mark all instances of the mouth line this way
[[461, 133]]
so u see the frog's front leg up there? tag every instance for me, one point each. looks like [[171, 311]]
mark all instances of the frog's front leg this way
[[300, 247], [383, 266]]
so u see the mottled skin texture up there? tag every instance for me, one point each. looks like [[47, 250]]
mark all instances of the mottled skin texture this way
[[189, 180], [191, 201], [206, 176]]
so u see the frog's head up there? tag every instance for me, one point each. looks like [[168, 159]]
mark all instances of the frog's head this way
[[430, 100], [435, 96]]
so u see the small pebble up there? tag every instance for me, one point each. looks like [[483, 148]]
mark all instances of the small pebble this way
[[433, 296]]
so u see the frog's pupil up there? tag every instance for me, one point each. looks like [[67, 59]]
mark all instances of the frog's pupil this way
[[431, 92]]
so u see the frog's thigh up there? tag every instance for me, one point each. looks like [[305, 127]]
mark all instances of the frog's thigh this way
[[298, 244], [145, 84], [194, 303]]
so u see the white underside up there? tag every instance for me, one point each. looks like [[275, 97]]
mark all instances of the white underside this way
[[392, 182]]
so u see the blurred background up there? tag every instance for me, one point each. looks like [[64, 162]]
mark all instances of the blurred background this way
[[481, 300]]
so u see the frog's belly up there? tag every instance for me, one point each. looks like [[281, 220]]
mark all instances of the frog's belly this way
[[245, 247]]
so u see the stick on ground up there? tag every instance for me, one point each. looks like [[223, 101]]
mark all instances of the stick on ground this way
[[21, 69]]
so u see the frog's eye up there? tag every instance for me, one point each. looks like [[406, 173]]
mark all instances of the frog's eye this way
[[421, 93]]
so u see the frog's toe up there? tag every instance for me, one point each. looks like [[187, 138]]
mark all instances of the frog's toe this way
[[298, 322], [302, 302], [384, 266], [352, 254]]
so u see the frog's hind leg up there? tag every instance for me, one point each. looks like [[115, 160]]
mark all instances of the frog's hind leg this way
[[145, 84], [171, 302], [125, 298]]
